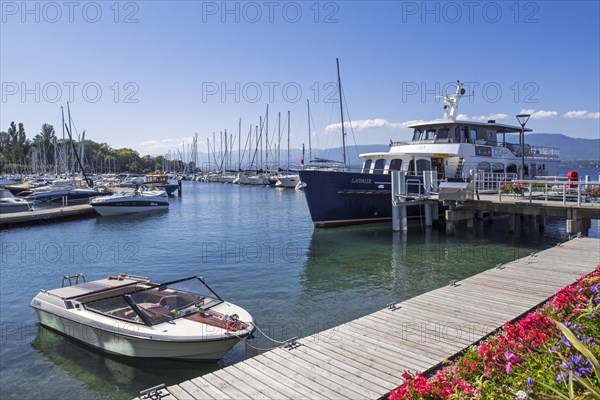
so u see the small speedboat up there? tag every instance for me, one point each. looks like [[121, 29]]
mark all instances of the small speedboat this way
[[128, 203], [10, 204], [131, 316]]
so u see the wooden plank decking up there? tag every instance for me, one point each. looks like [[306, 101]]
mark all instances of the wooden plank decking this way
[[51, 214], [365, 358]]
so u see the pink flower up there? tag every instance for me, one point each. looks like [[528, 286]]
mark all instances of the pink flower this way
[[511, 358]]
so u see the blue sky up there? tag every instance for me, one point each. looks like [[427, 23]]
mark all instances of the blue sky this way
[[149, 74]]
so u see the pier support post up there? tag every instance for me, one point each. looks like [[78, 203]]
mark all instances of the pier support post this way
[[179, 186], [541, 220], [399, 214], [453, 215], [399, 219], [428, 216], [575, 226], [490, 217], [435, 213], [511, 223], [480, 215], [470, 223]]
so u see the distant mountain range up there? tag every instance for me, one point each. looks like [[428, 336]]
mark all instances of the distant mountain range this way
[[571, 149]]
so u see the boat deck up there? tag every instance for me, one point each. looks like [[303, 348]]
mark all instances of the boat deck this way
[[365, 358]]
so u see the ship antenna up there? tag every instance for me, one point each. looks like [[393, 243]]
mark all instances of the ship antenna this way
[[451, 101]]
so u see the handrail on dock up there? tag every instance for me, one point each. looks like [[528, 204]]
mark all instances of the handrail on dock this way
[[565, 189]]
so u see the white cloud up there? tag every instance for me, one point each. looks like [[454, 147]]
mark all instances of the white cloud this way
[[164, 145], [376, 123], [465, 117], [541, 114], [583, 114]]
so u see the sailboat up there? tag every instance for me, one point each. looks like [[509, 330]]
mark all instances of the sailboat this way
[[289, 180]]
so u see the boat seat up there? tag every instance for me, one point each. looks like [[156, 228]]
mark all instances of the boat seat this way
[[171, 301]]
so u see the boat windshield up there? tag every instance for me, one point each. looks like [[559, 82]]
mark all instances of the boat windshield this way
[[159, 304], [167, 301]]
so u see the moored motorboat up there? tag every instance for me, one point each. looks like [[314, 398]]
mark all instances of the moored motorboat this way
[[129, 203], [131, 316], [287, 181], [10, 204], [160, 180]]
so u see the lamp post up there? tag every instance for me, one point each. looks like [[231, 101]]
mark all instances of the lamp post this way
[[522, 118]]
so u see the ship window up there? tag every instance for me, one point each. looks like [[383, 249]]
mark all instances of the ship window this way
[[483, 166], [416, 134], [411, 167], [423, 165], [497, 167], [379, 166], [456, 133], [430, 134], [511, 169], [472, 135], [442, 133], [367, 166], [395, 164]]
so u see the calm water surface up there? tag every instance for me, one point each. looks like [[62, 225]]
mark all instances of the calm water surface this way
[[256, 247]]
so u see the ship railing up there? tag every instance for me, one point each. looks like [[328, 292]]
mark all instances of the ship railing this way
[[490, 182], [585, 191], [543, 152], [69, 279]]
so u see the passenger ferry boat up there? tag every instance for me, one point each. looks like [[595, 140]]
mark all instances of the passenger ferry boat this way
[[455, 149]]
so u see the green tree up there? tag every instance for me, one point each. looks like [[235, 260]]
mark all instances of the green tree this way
[[44, 141]]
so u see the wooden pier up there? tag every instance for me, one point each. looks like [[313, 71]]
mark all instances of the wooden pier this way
[[365, 358], [48, 215]]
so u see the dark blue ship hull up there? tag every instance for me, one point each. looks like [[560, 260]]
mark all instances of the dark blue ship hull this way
[[337, 198]]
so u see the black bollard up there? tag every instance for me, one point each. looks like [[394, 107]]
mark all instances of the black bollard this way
[[179, 179]]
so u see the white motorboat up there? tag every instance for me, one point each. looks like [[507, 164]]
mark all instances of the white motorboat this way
[[288, 181], [128, 203], [131, 316], [10, 204]]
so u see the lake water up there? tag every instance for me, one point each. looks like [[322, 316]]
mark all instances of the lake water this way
[[257, 248]]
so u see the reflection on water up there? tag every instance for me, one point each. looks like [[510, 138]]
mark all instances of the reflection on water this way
[[350, 272], [105, 375]]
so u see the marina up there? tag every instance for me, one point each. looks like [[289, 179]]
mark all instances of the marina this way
[[366, 357], [299, 200], [313, 277]]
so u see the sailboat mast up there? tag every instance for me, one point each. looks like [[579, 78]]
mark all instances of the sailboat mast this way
[[279, 140], [240, 145], [63, 149], [309, 145], [208, 150], [288, 152], [337, 60], [70, 137], [267, 138]]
